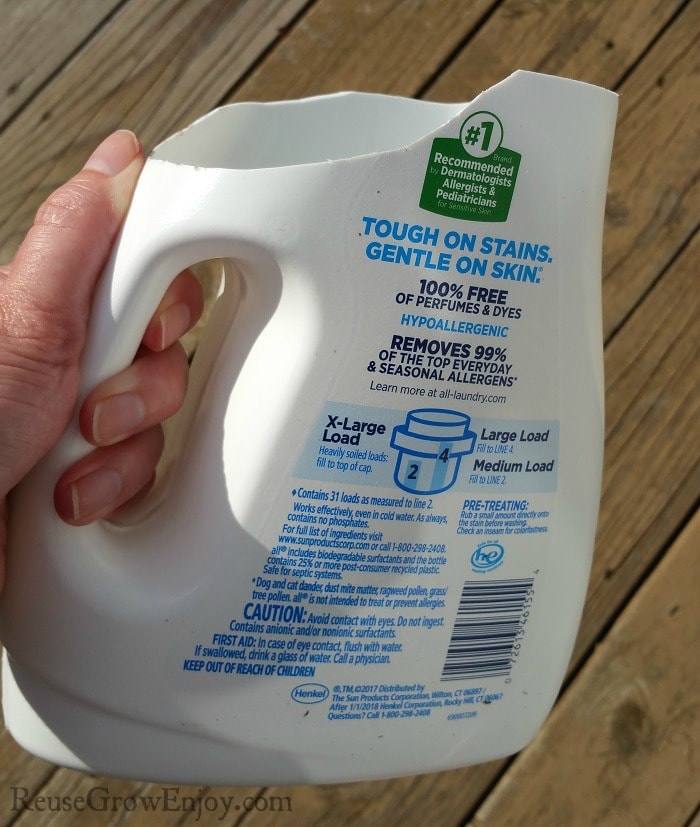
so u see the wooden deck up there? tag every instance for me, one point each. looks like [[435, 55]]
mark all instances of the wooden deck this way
[[622, 746]]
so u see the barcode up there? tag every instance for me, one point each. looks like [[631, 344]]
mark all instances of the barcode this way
[[488, 625]]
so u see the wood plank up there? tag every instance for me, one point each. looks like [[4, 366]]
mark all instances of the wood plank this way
[[36, 39], [157, 66], [18, 769], [76, 798], [384, 46], [431, 799], [695, 819], [651, 476], [653, 195], [444, 799], [621, 747], [591, 40]]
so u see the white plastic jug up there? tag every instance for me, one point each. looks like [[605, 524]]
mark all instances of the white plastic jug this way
[[371, 553]]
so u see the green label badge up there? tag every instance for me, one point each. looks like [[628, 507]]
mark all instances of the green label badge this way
[[471, 177]]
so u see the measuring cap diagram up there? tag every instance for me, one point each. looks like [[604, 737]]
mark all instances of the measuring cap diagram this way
[[431, 444]]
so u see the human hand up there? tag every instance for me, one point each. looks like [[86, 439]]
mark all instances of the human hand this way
[[45, 300]]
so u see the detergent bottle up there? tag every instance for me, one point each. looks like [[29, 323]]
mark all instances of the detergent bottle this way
[[369, 555]]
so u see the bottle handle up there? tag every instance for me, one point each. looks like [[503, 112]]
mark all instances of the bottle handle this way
[[179, 215], [160, 237]]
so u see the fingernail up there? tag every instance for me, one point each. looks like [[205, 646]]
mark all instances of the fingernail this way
[[174, 322], [94, 493], [117, 417], [114, 154]]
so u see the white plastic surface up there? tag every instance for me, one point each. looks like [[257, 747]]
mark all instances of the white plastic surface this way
[[102, 624]]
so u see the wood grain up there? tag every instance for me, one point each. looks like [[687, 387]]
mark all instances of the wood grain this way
[[651, 478], [648, 52], [383, 46], [654, 190], [37, 39], [629, 716], [621, 747], [156, 67], [596, 41]]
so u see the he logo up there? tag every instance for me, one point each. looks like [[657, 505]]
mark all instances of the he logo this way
[[487, 557]]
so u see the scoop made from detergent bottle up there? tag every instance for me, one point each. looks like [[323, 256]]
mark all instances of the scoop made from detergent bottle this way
[[370, 554]]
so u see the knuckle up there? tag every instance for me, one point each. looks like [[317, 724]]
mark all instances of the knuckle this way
[[46, 340], [53, 337], [69, 205], [59, 340]]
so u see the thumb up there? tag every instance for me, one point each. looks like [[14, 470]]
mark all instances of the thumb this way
[[45, 299]]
